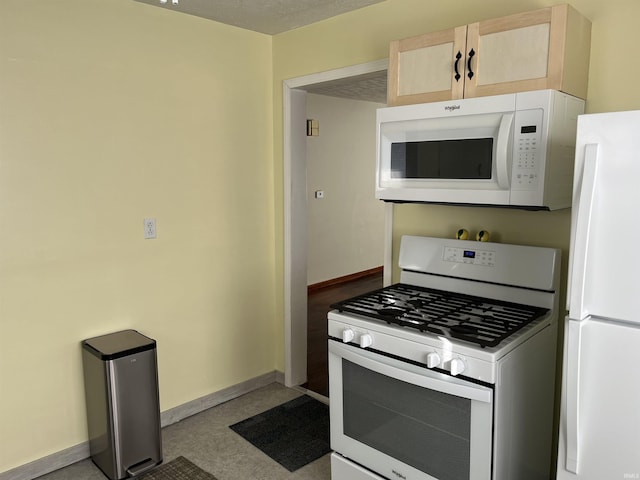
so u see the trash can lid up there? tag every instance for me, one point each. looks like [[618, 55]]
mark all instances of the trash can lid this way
[[118, 344]]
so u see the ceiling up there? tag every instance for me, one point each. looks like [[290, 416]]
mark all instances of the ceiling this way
[[264, 16], [370, 87], [276, 16]]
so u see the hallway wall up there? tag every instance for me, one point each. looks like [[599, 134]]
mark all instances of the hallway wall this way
[[345, 228]]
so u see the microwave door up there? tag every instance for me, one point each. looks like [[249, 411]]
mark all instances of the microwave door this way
[[453, 160], [449, 159]]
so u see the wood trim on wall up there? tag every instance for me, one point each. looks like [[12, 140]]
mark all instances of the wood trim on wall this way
[[347, 278]]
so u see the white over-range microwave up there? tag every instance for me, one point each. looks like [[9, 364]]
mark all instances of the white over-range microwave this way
[[514, 150]]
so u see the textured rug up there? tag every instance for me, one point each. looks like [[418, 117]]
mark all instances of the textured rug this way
[[177, 469], [293, 434]]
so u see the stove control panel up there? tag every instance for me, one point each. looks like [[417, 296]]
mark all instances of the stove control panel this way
[[470, 256], [423, 349], [455, 364], [365, 340]]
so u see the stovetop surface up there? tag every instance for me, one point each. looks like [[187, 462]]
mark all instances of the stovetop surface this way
[[484, 322]]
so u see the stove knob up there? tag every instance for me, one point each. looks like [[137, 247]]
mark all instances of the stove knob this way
[[348, 335], [366, 340], [457, 366], [433, 360]]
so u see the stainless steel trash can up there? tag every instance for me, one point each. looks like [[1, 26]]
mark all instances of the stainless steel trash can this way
[[123, 407]]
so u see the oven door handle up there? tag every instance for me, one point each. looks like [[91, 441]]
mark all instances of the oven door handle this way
[[410, 373]]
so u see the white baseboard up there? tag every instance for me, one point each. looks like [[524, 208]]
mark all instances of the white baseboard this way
[[74, 454], [201, 404]]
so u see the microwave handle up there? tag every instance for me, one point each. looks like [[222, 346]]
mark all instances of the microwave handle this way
[[502, 150]]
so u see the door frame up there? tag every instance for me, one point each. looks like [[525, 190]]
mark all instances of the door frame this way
[[295, 214]]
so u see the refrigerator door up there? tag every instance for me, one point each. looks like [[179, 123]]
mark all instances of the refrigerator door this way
[[604, 259], [600, 409]]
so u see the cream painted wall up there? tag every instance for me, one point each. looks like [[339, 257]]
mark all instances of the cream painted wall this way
[[346, 227], [363, 36], [110, 112]]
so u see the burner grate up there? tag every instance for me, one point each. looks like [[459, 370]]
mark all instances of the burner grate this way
[[464, 317]]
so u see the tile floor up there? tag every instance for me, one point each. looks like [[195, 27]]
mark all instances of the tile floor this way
[[206, 440]]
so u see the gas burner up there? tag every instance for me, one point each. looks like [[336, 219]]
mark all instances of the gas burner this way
[[416, 302], [392, 312], [464, 317]]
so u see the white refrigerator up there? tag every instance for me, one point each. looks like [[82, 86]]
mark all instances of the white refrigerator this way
[[599, 436]]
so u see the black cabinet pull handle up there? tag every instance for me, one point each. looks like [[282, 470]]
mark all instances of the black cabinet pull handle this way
[[471, 55], [455, 66]]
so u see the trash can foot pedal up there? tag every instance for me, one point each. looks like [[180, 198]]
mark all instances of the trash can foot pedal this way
[[141, 467]]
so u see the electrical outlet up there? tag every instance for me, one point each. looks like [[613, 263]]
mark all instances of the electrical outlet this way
[[319, 194], [149, 228]]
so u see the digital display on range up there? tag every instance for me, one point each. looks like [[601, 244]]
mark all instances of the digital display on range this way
[[469, 254]]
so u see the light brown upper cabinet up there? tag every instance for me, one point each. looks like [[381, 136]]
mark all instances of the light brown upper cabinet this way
[[546, 48]]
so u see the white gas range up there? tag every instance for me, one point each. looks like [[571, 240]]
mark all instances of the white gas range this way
[[449, 374]]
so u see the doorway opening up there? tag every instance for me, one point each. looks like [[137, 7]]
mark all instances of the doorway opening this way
[[320, 298], [295, 200]]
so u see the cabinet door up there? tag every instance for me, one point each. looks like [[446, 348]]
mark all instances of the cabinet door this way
[[520, 52], [423, 68]]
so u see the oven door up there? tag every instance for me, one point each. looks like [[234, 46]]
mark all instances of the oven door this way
[[405, 421]]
